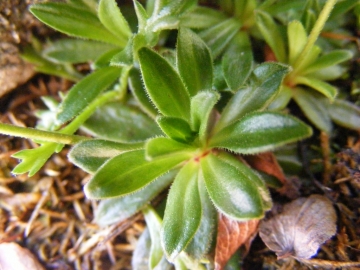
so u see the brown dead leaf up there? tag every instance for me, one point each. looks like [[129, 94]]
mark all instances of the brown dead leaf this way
[[14, 257], [300, 228], [231, 235], [267, 163]]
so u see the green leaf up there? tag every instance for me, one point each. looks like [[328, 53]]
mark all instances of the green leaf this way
[[201, 107], [282, 99], [127, 173], [341, 8], [324, 88], [162, 23], [46, 66], [118, 122], [85, 91], [183, 211], [76, 50], [153, 222], [252, 175], [140, 256], [176, 128], [204, 236], [104, 59], [259, 132], [89, 155], [193, 62], [177, 7], [161, 146], [330, 73], [110, 211], [47, 118], [91, 5], [110, 16], [237, 61], [309, 59], [142, 16], [345, 114], [333, 58], [219, 80], [264, 85], [219, 36], [33, 159], [231, 191], [308, 19], [164, 85], [272, 35], [138, 90], [289, 159], [244, 10], [125, 57], [276, 7], [74, 22], [314, 106], [297, 38], [201, 18]]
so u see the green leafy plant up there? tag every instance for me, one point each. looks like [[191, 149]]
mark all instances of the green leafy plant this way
[[196, 144], [310, 70], [180, 115]]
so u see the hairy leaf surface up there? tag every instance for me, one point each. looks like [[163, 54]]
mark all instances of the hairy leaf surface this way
[[74, 22], [176, 128], [193, 62], [111, 17], [183, 211], [114, 210], [260, 132], [264, 85], [91, 154], [127, 173], [164, 85], [232, 192], [118, 122], [85, 91]]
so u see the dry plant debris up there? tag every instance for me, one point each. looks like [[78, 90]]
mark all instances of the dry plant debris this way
[[14, 257], [231, 235], [300, 227], [48, 213]]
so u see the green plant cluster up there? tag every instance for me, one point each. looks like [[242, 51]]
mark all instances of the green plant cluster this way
[[176, 93]]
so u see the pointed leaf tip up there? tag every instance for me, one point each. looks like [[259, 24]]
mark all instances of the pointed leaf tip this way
[[260, 132], [194, 61], [164, 85]]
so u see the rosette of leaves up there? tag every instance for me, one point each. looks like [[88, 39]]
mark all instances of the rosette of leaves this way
[[104, 33], [199, 147], [311, 69]]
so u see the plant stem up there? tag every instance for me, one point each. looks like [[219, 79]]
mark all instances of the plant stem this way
[[63, 136], [88, 111], [41, 135], [315, 32]]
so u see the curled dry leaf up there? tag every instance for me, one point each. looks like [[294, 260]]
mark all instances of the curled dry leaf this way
[[13, 256], [231, 235], [300, 228]]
